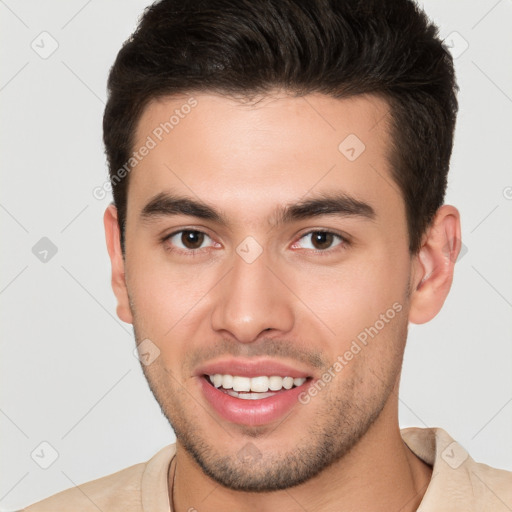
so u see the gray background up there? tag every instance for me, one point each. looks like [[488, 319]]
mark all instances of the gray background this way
[[69, 375]]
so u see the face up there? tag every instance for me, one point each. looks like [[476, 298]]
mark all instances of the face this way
[[253, 239]]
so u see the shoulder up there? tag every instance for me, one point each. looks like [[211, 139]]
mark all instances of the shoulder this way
[[491, 487], [121, 491], [458, 482]]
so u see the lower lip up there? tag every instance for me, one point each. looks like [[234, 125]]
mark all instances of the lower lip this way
[[252, 412]]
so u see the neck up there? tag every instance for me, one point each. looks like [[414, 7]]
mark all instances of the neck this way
[[380, 473]]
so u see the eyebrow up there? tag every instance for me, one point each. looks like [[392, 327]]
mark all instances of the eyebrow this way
[[339, 204]]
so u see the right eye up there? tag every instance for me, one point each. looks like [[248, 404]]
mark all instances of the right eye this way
[[187, 241]]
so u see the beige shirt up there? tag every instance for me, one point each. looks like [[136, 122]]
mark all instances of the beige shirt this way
[[458, 482]]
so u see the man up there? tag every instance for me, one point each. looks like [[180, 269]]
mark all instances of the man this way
[[278, 170]]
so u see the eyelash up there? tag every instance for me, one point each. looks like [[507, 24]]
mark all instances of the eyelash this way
[[344, 242]]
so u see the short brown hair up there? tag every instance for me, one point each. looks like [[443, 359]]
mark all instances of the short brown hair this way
[[337, 47]]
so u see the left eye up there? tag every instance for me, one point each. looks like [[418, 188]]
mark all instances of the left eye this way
[[188, 239], [320, 240]]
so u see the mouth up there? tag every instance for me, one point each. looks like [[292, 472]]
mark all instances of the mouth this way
[[253, 401], [253, 388]]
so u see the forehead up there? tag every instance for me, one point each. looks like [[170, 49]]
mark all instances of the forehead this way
[[246, 156]]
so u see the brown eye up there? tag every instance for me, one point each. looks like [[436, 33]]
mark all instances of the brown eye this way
[[192, 239], [188, 240], [322, 240]]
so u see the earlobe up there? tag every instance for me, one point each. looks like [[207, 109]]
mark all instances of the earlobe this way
[[113, 239], [434, 265]]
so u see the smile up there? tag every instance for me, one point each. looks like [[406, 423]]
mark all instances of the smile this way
[[253, 388], [237, 399]]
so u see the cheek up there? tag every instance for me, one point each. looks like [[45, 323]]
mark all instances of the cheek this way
[[166, 297], [363, 293]]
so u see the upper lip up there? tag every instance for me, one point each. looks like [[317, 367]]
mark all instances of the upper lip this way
[[251, 368]]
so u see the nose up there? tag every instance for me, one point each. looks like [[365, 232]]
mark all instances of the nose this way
[[252, 298]]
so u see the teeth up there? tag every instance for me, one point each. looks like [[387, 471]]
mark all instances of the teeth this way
[[260, 384], [288, 383], [227, 381], [275, 383], [241, 383], [249, 396]]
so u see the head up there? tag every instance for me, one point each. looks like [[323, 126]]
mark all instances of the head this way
[[278, 170]]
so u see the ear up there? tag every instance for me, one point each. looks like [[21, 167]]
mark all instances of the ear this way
[[434, 264], [113, 238]]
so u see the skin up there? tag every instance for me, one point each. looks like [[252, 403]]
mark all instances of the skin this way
[[343, 450]]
